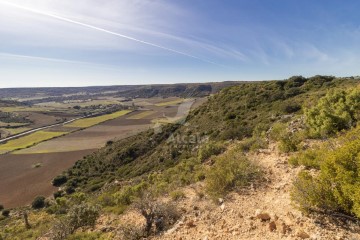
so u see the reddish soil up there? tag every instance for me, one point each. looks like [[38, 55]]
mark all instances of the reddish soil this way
[[20, 182]]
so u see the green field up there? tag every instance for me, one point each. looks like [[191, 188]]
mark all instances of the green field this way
[[141, 115], [28, 141], [164, 104], [88, 122]]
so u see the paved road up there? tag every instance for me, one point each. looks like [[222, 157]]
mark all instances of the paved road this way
[[38, 129]]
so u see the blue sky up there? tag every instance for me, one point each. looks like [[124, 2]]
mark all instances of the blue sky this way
[[114, 42]]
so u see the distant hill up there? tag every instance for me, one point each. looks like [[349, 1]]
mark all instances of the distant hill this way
[[40, 95]]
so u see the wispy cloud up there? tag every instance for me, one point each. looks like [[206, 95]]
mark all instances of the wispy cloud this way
[[58, 17], [19, 56]]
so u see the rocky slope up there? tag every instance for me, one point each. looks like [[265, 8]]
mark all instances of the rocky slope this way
[[263, 212]]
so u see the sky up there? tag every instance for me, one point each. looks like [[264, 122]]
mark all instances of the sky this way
[[58, 43]]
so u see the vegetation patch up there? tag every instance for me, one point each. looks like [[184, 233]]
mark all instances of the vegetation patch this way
[[336, 186], [338, 110], [174, 102], [88, 122], [141, 115], [231, 171], [29, 140]]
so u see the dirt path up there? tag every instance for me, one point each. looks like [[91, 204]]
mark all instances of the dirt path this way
[[239, 217]]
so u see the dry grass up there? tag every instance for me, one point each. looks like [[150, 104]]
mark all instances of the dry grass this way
[[88, 122], [28, 141], [13, 131]]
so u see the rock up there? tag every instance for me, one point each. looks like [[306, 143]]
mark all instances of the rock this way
[[302, 235], [222, 207], [263, 217], [285, 228], [273, 216], [272, 226], [190, 224]]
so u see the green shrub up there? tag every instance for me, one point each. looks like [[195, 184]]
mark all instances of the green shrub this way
[[58, 194], [311, 159], [5, 213], [252, 144], [291, 108], [312, 194], [80, 216], [177, 195], [210, 149], [1, 207], [128, 194], [337, 185], [231, 171], [278, 129], [336, 111], [39, 202], [83, 215], [59, 180], [96, 187], [290, 142]]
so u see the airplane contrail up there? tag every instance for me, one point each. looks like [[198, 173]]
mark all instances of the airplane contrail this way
[[105, 31]]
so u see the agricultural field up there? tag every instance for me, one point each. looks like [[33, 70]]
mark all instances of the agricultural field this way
[[21, 182], [36, 158], [174, 102], [13, 131], [88, 122], [28, 141], [4, 124], [141, 115]]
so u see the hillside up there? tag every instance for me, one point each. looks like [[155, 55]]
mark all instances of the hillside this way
[[41, 95], [236, 168]]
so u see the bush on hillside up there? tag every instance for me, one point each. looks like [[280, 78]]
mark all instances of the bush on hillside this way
[[5, 213], [39, 202], [59, 180], [252, 144], [336, 111], [177, 195], [83, 215], [231, 171], [311, 158], [288, 141], [159, 216], [1, 207], [210, 149], [336, 187]]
